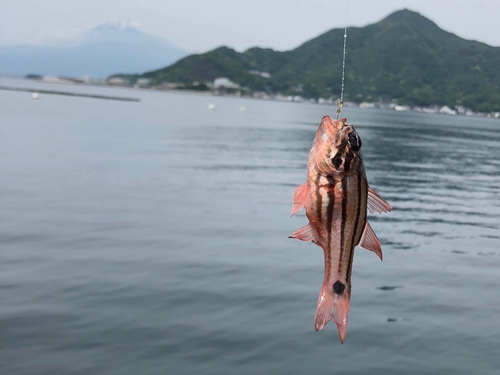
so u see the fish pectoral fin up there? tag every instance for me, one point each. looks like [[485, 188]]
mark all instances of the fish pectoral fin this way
[[376, 204], [370, 241], [305, 234], [300, 197]]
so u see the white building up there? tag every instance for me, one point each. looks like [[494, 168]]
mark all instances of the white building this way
[[117, 81], [223, 82], [142, 82], [447, 110], [51, 79]]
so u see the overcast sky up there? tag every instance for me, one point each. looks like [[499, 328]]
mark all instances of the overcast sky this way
[[200, 25]]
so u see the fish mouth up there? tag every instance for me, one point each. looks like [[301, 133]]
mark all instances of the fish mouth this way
[[342, 123]]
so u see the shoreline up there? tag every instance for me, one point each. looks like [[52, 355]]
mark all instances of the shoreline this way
[[435, 109]]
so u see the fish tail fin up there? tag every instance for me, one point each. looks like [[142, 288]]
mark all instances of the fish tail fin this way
[[333, 304]]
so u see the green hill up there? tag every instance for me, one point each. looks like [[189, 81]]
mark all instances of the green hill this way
[[405, 56]]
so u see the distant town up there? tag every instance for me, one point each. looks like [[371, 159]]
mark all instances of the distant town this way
[[223, 86]]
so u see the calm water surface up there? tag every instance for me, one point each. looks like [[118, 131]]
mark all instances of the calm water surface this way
[[151, 238]]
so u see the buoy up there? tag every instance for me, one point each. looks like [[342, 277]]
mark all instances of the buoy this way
[[242, 109], [34, 96], [211, 106]]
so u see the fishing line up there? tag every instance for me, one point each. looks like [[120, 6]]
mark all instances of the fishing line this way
[[341, 103]]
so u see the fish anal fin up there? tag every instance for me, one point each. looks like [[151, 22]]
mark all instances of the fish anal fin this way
[[333, 306], [300, 197], [370, 241], [376, 204], [305, 233]]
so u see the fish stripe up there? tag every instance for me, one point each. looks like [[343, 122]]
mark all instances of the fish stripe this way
[[355, 229], [336, 160], [330, 207], [319, 199], [329, 213], [347, 163], [343, 221]]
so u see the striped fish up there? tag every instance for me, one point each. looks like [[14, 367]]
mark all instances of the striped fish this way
[[337, 197]]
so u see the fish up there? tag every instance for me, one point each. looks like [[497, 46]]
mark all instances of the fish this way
[[337, 198]]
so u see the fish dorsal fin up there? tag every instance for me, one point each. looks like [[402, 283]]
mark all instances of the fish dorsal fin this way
[[305, 234], [376, 204], [370, 241], [300, 197]]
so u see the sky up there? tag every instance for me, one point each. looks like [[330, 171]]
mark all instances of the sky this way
[[201, 25]]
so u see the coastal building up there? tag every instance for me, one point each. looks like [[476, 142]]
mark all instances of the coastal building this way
[[117, 81], [169, 86], [367, 105], [447, 110], [51, 79], [142, 82], [223, 82]]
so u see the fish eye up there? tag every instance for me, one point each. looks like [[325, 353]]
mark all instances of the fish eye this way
[[354, 141]]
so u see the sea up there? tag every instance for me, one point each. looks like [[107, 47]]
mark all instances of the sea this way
[[151, 237]]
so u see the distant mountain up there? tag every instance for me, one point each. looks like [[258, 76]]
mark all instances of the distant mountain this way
[[405, 56], [102, 51]]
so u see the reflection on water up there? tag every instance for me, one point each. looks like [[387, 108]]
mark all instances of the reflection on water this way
[[151, 238]]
